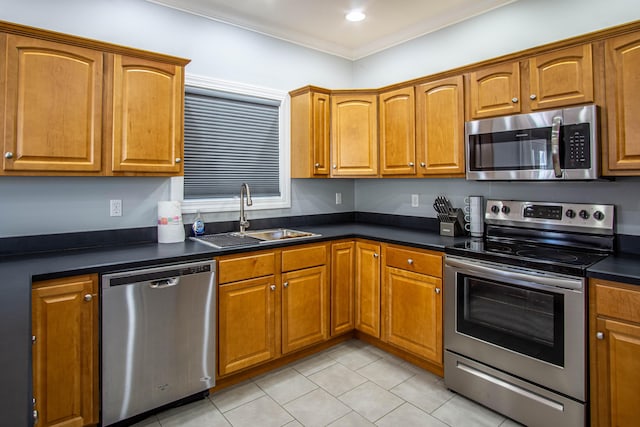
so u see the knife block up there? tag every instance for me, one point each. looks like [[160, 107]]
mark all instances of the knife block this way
[[454, 226]]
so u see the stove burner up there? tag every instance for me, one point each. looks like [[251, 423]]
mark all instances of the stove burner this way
[[500, 248], [547, 254]]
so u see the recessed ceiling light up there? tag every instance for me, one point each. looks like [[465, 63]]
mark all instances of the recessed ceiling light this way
[[355, 16]]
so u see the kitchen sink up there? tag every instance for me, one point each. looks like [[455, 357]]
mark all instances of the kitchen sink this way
[[278, 234], [235, 239]]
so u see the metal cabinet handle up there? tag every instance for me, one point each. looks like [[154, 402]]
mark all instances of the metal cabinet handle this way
[[8, 155], [35, 417], [285, 284], [317, 165], [88, 297], [272, 287], [533, 96], [410, 261], [600, 335], [423, 164], [178, 159], [335, 166], [514, 100], [375, 255], [438, 291], [411, 164]]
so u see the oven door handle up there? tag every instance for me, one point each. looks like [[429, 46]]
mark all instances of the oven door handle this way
[[551, 281], [555, 146]]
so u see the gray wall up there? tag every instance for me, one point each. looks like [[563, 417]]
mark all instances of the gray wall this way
[[41, 205]]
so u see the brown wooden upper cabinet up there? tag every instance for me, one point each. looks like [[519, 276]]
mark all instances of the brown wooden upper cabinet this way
[[310, 127], [397, 132], [146, 125], [53, 107], [354, 134], [72, 106], [440, 127], [622, 68], [551, 80]]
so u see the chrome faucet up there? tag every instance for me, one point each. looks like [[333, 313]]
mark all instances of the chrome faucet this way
[[244, 224]]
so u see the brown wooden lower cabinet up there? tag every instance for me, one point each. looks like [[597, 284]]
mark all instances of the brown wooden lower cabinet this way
[[342, 287], [615, 353], [285, 310], [412, 301], [65, 351], [246, 323], [367, 290]]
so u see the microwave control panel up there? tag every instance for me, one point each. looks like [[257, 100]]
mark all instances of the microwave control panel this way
[[577, 143]]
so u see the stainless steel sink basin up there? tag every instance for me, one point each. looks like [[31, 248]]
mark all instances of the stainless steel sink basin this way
[[234, 239], [278, 234]]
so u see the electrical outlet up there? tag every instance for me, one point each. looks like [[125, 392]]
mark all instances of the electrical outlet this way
[[338, 198], [415, 200], [115, 208]]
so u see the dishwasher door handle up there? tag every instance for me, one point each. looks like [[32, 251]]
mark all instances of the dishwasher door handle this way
[[164, 283]]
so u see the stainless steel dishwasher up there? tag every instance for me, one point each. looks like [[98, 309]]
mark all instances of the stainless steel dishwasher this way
[[158, 337]]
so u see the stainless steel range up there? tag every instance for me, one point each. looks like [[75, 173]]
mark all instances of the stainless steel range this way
[[515, 309]]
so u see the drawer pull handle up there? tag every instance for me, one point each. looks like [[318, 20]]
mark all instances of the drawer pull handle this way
[[600, 335], [272, 287], [375, 255], [410, 261], [317, 165], [438, 291], [285, 284]]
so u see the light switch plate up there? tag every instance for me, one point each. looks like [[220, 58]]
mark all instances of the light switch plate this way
[[415, 200], [338, 198]]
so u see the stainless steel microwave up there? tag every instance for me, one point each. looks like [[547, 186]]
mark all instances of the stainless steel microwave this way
[[547, 145]]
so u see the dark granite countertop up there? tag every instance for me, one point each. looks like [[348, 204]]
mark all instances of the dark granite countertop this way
[[618, 268]]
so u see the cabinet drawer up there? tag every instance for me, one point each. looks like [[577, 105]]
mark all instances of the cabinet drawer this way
[[619, 301], [246, 267], [304, 257], [414, 260]]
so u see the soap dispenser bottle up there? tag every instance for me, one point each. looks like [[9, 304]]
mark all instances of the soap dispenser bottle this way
[[197, 229]]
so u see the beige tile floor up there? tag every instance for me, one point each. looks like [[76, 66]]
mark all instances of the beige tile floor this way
[[352, 384]]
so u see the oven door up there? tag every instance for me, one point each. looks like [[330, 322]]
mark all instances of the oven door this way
[[528, 323]]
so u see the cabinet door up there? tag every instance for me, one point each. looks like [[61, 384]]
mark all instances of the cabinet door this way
[[305, 308], [618, 373], [354, 136], [310, 126], [495, 91], [561, 78], [53, 107], [246, 323], [368, 288], [397, 132], [342, 287], [412, 305], [622, 72], [440, 127], [65, 352], [147, 117]]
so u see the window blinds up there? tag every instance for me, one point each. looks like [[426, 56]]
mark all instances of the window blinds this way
[[230, 139]]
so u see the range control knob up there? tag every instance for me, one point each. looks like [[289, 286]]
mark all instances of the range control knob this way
[[495, 209], [598, 215], [506, 210], [570, 213], [584, 214]]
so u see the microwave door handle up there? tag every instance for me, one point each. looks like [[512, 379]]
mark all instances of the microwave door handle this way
[[555, 145]]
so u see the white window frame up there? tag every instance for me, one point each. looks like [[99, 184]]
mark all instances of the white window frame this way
[[231, 203]]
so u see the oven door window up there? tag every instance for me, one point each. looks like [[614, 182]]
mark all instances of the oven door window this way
[[524, 320]]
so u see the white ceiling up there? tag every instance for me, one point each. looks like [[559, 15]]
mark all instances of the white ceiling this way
[[320, 24]]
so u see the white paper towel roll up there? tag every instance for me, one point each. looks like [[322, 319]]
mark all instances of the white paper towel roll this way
[[170, 227]]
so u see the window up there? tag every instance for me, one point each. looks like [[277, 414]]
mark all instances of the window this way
[[234, 133]]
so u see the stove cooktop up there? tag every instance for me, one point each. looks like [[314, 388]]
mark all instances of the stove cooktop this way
[[528, 255]]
